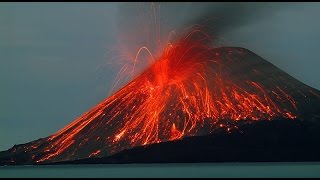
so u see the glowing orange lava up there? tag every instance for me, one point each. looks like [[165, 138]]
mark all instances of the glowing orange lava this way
[[185, 92]]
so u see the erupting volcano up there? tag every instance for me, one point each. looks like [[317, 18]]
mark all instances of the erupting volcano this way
[[192, 89]]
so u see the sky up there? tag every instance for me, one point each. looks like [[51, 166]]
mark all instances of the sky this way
[[57, 60]]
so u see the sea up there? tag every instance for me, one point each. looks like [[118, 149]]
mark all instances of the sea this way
[[185, 170]]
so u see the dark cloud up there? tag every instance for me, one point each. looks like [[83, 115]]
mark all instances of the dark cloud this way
[[276, 31], [217, 18], [220, 18]]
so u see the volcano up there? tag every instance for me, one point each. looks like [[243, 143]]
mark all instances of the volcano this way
[[192, 90]]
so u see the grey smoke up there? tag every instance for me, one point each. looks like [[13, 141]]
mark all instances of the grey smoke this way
[[221, 18], [284, 33]]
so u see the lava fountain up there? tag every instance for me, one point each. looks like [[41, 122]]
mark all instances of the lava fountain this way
[[186, 92]]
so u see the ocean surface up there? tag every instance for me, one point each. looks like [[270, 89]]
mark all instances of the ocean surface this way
[[167, 170]]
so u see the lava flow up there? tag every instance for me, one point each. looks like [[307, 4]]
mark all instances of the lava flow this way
[[187, 91]]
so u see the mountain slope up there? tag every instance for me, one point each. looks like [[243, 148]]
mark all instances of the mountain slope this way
[[264, 141]]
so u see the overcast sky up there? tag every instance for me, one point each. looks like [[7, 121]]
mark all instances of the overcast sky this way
[[53, 56]]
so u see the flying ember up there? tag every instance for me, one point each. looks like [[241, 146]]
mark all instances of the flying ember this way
[[187, 91]]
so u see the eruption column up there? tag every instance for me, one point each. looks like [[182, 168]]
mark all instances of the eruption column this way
[[185, 92]]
